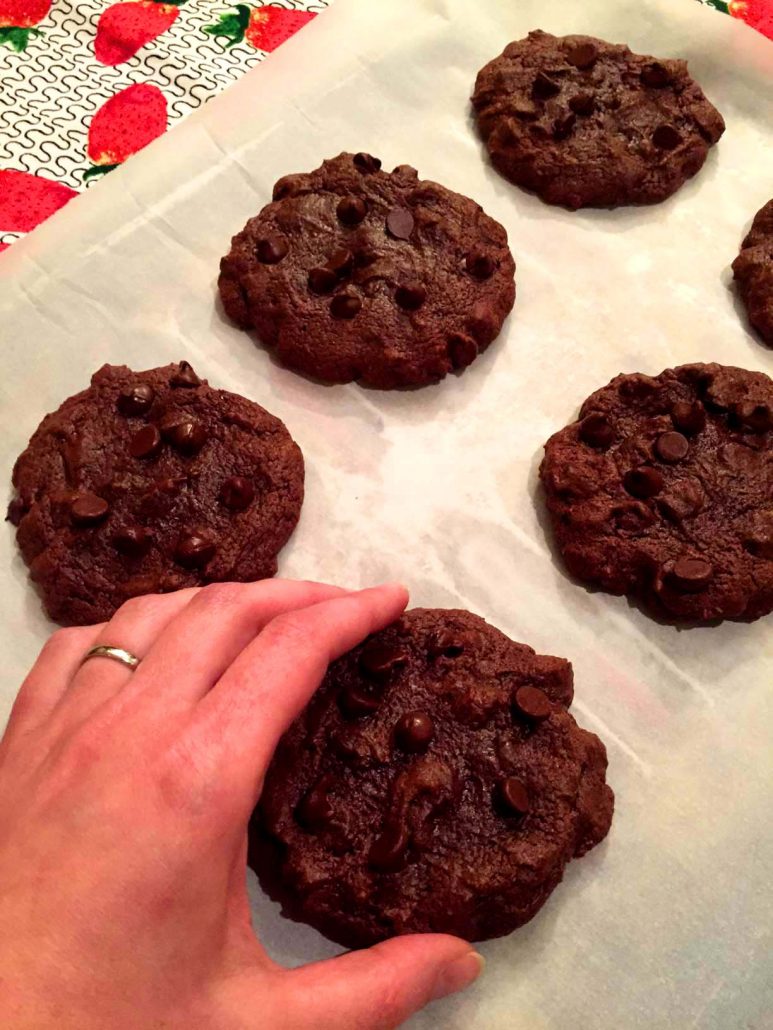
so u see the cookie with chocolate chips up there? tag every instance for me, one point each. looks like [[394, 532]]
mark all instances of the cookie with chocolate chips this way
[[354, 273], [147, 482], [585, 123], [753, 271], [663, 490], [435, 783]]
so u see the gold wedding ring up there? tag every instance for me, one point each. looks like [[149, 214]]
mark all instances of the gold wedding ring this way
[[118, 654]]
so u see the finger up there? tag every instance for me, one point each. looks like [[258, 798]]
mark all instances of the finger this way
[[379, 988], [194, 650], [134, 627], [238, 724], [50, 676]]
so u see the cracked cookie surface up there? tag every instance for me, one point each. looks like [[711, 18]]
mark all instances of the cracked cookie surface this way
[[586, 123], [663, 489], [354, 273], [435, 783]]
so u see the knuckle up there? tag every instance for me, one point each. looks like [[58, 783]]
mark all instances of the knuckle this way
[[64, 639], [220, 595], [137, 608], [289, 631]]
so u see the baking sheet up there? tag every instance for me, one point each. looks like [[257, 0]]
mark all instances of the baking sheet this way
[[668, 923]]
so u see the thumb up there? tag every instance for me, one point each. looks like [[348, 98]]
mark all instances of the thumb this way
[[380, 987]]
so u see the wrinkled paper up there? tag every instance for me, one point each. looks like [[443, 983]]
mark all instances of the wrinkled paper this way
[[667, 924]]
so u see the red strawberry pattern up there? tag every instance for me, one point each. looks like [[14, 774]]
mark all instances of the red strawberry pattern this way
[[27, 200], [17, 21], [124, 28], [126, 123], [757, 13], [263, 27]]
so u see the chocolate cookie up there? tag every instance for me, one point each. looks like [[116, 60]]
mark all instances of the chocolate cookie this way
[[435, 782], [586, 123], [753, 269], [151, 481], [352, 273], [664, 490]]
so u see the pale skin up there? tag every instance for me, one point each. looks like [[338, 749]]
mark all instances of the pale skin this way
[[124, 802]]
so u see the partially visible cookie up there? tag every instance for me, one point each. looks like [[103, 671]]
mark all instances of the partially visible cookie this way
[[585, 123], [663, 489], [147, 482], [753, 270], [353, 273], [435, 783]]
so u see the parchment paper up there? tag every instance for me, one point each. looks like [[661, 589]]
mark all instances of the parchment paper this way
[[668, 923]]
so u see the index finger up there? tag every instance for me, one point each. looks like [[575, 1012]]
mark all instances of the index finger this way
[[239, 722]]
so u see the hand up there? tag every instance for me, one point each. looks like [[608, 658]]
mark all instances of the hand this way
[[124, 802]]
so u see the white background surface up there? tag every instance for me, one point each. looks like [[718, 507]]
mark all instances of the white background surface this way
[[668, 923]]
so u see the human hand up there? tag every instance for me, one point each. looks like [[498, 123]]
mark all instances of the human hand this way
[[124, 802]]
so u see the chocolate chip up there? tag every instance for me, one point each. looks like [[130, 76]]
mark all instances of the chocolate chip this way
[[237, 493], [399, 223], [462, 350], [387, 853], [185, 376], [414, 732], [690, 575], [272, 249], [377, 661], [145, 443], [366, 162], [17, 509], [285, 187], [671, 447], [583, 55], [758, 538], [88, 510], [193, 550], [480, 264], [689, 417], [136, 400], [345, 305], [512, 796], [656, 75], [666, 137], [597, 431], [544, 87], [583, 104], [563, 125], [314, 811], [643, 482], [185, 435], [532, 702], [133, 541], [351, 210], [445, 643], [322, 280], [411, 296], [356, 702], [341, 262], [756, 417]]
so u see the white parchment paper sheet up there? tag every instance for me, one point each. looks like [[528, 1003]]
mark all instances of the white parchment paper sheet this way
[[668, 923]]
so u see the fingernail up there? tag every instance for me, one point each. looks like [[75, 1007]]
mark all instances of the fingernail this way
[[458, 974]]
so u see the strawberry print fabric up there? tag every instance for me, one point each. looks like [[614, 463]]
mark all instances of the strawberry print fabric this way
[[87, 83]]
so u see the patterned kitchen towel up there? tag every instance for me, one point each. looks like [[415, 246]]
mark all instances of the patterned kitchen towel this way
[[87, 83]]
